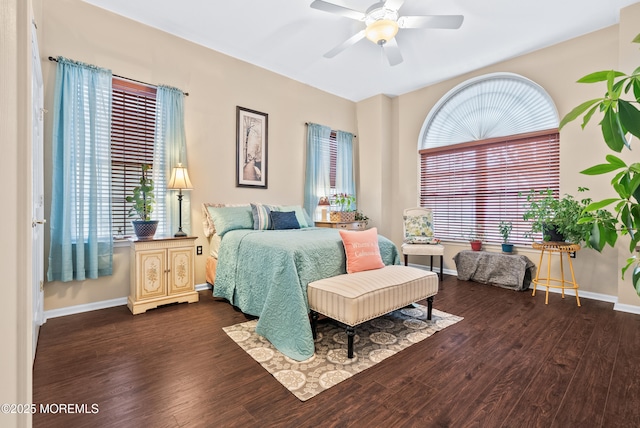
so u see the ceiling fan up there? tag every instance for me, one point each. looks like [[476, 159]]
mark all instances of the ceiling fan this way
[[382, 24]]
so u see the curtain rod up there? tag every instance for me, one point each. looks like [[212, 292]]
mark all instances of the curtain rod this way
[[354, 135], [186, 94]]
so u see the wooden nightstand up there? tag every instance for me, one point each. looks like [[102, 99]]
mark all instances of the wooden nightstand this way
[[349, 225], [162, 272]]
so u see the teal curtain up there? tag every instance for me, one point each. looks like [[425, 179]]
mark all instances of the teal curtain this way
[[81, 243], [345, 182], [170, 148], [317, 182]]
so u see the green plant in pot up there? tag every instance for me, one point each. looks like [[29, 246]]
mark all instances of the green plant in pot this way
[[344, 206], [559, 219], [143, 201], [505, 228], [620, 117]]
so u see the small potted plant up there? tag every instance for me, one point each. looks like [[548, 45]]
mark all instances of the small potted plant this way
[[344, 206], [475, 239], [505, 228], [143, 201]]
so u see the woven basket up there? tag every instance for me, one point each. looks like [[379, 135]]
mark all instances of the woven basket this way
[[343, 216]]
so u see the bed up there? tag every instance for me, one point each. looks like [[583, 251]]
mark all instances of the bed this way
[[265, 273]]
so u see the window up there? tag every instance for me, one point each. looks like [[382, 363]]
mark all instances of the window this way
[[474, 186], [133, 115], [329, 164], [332, 144], [482, 148]]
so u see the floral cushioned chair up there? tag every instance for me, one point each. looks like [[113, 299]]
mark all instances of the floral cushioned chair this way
[[418, 237]]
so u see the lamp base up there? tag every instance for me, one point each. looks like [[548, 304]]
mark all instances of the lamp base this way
[[180, 234]]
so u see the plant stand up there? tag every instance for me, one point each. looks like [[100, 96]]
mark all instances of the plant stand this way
[[562, 249]]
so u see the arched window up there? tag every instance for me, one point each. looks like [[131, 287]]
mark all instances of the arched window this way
[[483, 147]]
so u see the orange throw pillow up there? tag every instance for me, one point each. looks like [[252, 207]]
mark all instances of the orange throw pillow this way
[[361, 247]]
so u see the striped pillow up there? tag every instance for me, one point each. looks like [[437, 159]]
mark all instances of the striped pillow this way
[[261, 216]]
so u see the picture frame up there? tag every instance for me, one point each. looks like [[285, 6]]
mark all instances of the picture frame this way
[[252, 132]]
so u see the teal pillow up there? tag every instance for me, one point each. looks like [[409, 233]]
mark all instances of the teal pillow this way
[[231, 218], [300, 214]]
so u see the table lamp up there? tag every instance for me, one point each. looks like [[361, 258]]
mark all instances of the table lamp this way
[[179, 180]]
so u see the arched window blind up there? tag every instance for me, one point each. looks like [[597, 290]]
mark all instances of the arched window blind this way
[[483, 147]]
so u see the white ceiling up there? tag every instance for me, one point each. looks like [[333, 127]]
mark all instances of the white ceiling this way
[[290, 38]]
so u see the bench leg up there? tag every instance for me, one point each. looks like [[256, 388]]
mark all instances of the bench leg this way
[[314, 324], [441, 270], [429, 306], [406, 259], [350, 333]]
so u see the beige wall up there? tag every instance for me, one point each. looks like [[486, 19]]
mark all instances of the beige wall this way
[[216, 84], [387, 129]]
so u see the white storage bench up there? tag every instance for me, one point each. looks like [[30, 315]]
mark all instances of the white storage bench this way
[[358, 297]]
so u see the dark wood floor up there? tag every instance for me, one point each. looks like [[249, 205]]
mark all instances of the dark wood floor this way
[[512, 362]]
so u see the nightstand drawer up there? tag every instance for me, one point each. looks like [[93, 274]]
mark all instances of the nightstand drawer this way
[[348, 225]]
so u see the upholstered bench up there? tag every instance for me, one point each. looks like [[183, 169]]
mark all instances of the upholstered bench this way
[[358, 297]]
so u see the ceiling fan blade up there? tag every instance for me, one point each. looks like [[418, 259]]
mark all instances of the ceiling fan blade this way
[[338, 10], [342, 46], [431, 21], [393, 4], [392, 51]]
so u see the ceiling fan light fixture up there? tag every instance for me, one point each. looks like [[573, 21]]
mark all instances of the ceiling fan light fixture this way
[[381, 31]]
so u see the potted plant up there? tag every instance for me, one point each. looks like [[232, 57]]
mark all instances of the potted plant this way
[[344, 206], [505, 228], [621, 117], [475, 239], [559, 219], [361, 217], [143, 200]]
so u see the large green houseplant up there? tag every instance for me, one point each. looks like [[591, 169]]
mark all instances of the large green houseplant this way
[[621, 117], [143, 200], [559, 219]]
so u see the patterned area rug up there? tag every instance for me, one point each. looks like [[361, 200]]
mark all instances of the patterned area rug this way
[[375, 340]]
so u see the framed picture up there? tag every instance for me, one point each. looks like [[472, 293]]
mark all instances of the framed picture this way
[[251, 148]]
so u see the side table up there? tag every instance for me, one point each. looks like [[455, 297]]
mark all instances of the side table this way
[[562, 248]]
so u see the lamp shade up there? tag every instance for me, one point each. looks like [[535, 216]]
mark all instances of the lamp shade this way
[[324, 201], [381, 31], [179, 178]]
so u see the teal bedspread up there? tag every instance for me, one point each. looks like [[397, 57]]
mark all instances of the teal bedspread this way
[[265, 273]]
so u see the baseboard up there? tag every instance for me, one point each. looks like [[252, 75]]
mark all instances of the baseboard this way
[[586, 294], [205, 286], [78, 309], [627, 308]]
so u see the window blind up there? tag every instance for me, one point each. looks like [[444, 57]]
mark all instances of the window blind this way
[[132, 141], [473, 186]]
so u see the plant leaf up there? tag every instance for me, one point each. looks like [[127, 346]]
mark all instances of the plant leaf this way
[[602, 168], [612, 131], [630, 117], [577, 111], [636, 279], [599, 76], [600, 204], [587, 117], [614, 160]]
